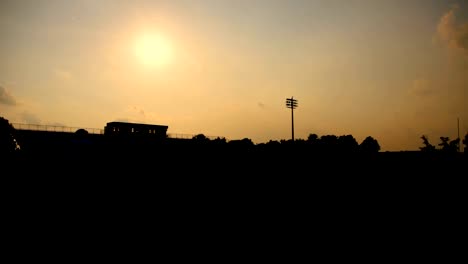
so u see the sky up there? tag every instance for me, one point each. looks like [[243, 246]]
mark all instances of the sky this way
[[394, 70]]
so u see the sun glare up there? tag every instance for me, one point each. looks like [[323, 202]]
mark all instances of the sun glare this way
[[153, 50]]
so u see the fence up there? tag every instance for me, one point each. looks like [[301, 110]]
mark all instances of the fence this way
[[53, 128], [188, 136]]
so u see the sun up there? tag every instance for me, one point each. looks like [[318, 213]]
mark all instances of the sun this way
[[153, 50]]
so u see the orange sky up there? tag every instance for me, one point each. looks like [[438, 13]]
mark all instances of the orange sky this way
[[393, 70]]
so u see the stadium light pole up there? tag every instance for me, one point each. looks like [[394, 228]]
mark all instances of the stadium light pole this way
[[458, 132], [291, 103]]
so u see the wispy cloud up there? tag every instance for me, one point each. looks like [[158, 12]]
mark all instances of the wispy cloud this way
[[62, 74], [30, 118], [135, 110], [452, 33], [55, 124], [421, 88], [136, 114], [6, 97], [123, 119]]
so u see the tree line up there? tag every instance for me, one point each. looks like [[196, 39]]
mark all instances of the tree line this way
[[325, 143], [314, 143], [446, 145]]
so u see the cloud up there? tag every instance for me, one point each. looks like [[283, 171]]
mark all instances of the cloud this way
[[453, 34], [30, 118], [421, 88], [126, 120], [135, 110], [62, 74], [56, 124], [261, 105], [6, 97], [135, 114]]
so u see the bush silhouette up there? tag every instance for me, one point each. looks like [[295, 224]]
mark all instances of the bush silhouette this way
[[369, 145], [8, 142], [448, 146], [428, 147]]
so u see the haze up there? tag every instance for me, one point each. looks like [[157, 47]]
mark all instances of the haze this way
[[393, 70]]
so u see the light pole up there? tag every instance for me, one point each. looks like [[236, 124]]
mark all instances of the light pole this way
[[291, 103], [458, 132]]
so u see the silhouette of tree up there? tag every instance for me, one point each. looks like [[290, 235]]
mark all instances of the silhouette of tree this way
[[270, 146], [299, 141], [428, 147], [218, 144], [369, 145], [219, 141], [444, 143], [312, 138], [81, 134], [448, 146], [313, 142], [81, 138], [347, 143], [329, 139], [8, 142], [201, 138], [299, 145], [275, 143], [329, 143], [454, 145], [245, 143]]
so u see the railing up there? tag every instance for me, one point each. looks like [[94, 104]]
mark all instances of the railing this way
[[67, 129], [188, 136], [53, 128], [180, 136]]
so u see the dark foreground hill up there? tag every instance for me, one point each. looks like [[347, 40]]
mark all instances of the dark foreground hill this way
[[68, 163], [185, 158], [182, 185]]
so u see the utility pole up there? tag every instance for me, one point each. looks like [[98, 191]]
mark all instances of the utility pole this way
[[458, 131], [291, 103]]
